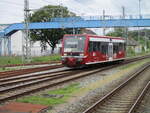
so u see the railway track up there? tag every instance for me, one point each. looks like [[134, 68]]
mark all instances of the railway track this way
[[124, 96], [28, 64], [6, 74], [12, 89], [27, 71], [136, 106], [15, 86]]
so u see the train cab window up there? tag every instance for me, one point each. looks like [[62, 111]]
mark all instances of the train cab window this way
[[74, 43]]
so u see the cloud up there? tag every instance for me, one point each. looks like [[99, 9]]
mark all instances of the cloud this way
[[12, 11]]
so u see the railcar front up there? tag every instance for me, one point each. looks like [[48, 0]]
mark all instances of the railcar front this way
[[73, 50]]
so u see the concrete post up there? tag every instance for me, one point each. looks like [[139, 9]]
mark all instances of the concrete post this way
[[1, 39], [5, 46], [9, 45]]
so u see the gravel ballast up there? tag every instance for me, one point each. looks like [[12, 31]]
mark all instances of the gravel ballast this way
[[92, 88]]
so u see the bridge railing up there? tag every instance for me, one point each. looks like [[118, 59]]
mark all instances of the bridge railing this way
[[109, 17], [59, 22], [99, 17]]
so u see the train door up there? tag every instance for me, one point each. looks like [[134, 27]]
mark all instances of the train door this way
[[110, 51]]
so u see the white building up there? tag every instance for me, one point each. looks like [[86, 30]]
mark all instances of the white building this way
[[16, 46]]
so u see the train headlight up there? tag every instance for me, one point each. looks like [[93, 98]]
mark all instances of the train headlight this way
[[63, 59], [81, 54], [65, 54], [79, 59]]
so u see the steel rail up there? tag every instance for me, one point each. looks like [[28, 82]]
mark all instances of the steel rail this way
[[53, 84], [63, 81], [39, 80], [28, 64], [103, 99], [31, 75], [32, 78], [27, 71], [139, 99]]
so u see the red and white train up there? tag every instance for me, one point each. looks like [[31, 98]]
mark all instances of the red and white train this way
[[84, 49]]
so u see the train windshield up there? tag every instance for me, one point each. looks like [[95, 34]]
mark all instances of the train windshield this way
[[74, 44]]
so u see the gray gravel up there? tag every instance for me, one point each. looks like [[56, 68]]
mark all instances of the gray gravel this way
[[80, 103], [145, 104]]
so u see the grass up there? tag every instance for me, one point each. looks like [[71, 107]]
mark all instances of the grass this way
[[5, 69], [6, 60], [47, 58], [135, 63], [76, 89], [131, 52], [39, 99]]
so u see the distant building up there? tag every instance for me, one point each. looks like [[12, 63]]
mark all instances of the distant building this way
[[88, 31], [16, 46], [134, 45]]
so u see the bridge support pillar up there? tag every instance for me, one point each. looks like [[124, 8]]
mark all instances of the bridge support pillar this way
[[1, 42], [7, 46]]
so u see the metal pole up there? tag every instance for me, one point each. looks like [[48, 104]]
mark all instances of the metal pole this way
[[104, 23], [139, 18], [26, 35], [145, 40], [125, 30], [139, 9]]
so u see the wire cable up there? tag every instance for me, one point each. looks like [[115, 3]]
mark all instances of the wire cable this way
[[12, 3]]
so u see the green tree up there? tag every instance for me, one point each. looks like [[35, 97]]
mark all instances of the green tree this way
[[145, 33], [49, 36], [118, 32]]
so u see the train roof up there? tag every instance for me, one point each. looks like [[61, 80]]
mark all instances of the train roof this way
[[96, 36]]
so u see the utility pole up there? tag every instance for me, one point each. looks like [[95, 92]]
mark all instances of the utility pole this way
[[26, 34], [140, 9], [145, 47], [123, 12], [139, 32], [104, 29], [125, 29]]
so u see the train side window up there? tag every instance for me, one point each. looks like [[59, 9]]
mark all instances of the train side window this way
[[115, 48], [94, 46], [90, 46], [99, 46], [124, 47], [121, 46], [104, 48]]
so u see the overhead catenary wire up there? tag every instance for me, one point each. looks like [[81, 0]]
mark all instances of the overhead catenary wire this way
[[18, 4], [12, 3], [46, 1]]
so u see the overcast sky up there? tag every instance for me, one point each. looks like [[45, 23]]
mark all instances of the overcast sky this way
[[11, 11]]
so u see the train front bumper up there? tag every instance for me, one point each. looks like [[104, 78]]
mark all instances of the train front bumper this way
[[72, 61]]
